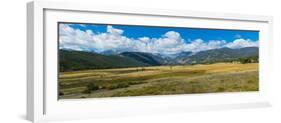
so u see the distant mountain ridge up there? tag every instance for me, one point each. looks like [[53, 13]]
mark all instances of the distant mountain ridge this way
[[219, 55], [147, 58], [80, 60]]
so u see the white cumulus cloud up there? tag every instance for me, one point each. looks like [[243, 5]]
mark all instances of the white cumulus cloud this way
[[199, 45], [240, 43], [113, 39]]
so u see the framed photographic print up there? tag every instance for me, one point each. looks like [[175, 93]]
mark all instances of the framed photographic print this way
[[105, 60], [96, 61]]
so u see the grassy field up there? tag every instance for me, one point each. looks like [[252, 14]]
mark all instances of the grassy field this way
[[159, 80]]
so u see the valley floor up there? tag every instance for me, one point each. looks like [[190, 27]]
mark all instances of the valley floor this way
[[159, 80]]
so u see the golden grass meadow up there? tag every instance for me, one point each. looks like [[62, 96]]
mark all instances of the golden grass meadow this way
[[159, 80]]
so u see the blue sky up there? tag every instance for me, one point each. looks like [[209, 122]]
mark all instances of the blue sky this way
[[186, 33], [167, 40]]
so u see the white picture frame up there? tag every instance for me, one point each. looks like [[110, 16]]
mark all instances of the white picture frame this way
[[42, 103]]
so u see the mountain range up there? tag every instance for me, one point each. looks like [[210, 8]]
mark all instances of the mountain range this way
[[218, 55], [70, 60]]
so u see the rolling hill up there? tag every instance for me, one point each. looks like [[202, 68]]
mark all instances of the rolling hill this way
[[79, 60]]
